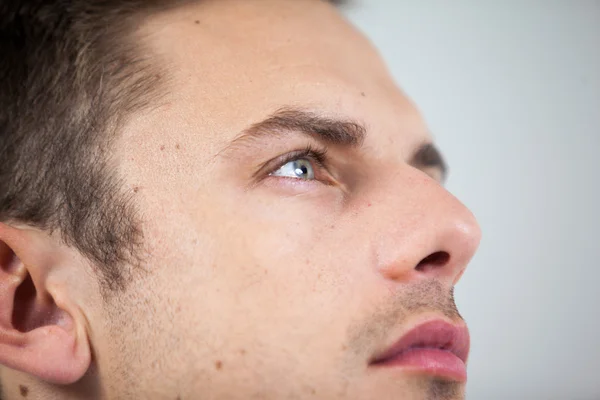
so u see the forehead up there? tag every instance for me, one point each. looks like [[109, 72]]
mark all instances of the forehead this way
[[260, 36], [231, 63]]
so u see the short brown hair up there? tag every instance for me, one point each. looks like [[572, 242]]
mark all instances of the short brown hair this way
[[70, 72]]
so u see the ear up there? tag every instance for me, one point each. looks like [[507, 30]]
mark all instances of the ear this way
[[42, 331]]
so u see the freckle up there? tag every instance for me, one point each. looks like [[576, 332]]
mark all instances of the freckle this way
[[243, 351], [24, 390], [219, 365], [177, 146], [363, 94], [313, 391], [197, 22], [162, 148], [136, 189]]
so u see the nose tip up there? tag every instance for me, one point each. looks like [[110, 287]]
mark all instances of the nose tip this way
[[471, 233], [439, 245], [452, 247]]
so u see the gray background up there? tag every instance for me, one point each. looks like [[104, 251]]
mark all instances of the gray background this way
[[511, 90]]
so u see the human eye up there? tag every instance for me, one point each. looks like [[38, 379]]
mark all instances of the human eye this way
[[302, 165], [300, 168]]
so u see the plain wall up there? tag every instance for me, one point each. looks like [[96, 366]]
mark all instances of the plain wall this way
[[511, 91]]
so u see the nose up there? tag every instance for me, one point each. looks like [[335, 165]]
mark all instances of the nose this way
[[422, 230]]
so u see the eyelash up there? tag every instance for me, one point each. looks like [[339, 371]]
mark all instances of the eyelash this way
[[316, 155]]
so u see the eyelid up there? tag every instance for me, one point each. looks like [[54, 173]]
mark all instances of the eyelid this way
[[316, 155]]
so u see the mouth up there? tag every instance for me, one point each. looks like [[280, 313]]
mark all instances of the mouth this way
[[434, 348]]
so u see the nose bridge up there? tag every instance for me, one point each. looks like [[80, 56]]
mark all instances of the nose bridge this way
[[423, 230]]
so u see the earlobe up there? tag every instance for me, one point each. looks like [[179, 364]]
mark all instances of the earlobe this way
[[37, 336]]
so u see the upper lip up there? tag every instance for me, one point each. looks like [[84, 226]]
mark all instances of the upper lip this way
[[435, 334]]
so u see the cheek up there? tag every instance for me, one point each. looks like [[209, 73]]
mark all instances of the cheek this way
[[251, 287], [273, 258], [284, 227], [287, 260], [278, 246], [289, 251]]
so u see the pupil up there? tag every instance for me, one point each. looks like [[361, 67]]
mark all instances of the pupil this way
[[301, 170]]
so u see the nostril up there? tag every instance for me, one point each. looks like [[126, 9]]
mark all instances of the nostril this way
[[437, 259]]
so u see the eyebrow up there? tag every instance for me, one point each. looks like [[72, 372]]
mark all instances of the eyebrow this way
[[428, 156], [332, 131], [324, 129]]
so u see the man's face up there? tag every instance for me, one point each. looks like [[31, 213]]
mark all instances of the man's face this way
[[283, 257]]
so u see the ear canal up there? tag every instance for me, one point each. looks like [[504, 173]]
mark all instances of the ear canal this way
[[31, 310], [24, 301]]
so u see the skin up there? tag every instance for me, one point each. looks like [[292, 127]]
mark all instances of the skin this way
[[255, 285]]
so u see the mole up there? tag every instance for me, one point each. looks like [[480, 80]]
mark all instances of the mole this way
[[219, 364], [24, 390], [197, 22]]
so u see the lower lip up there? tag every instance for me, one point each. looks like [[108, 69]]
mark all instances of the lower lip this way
[[436, 362]]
